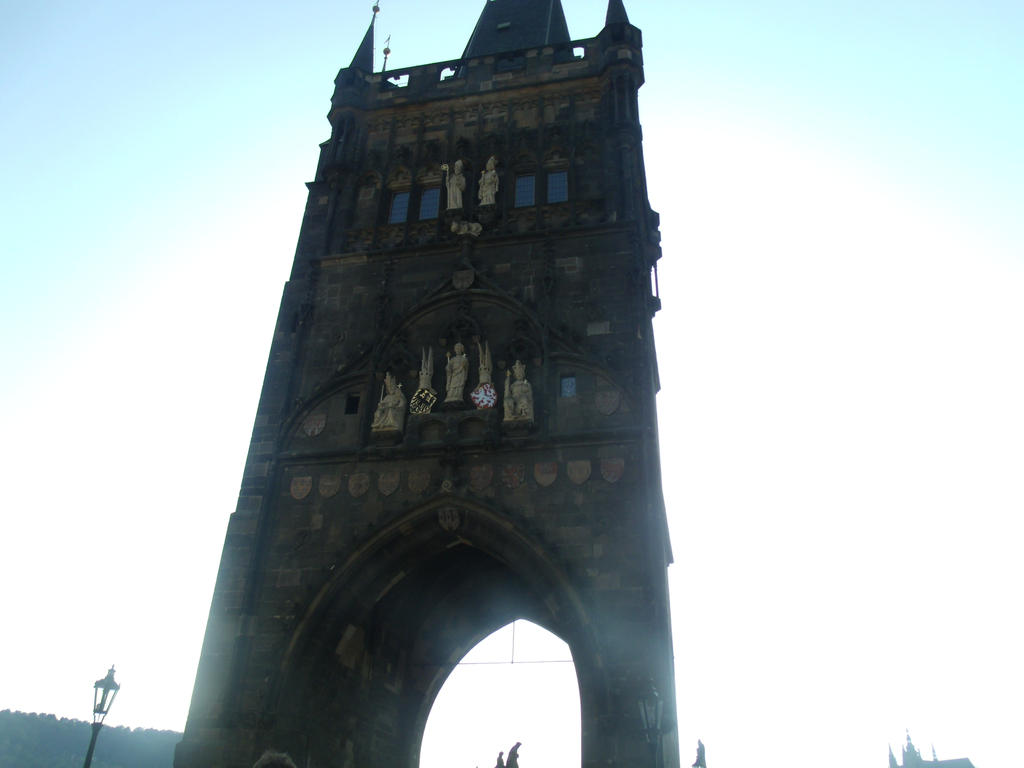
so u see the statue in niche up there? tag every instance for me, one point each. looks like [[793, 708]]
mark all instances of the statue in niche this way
[[425, 396], [390, 413], [518, 396], [488, 183], [456, 370], [455, 182], [484, 396]]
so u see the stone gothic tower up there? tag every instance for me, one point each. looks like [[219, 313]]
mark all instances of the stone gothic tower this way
[[457, 426]]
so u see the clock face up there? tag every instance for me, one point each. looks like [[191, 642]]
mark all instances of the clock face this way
[[422, 401], [484, 396]]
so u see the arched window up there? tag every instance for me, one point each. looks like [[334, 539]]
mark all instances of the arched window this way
[[517, 684]]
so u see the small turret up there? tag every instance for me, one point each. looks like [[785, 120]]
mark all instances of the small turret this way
[[616, 13], [364, 54]]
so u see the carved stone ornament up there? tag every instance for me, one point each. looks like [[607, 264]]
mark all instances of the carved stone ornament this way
[[390, 413], [463, 278], [329, 485], [545, 472], [484, 396], [358, 484], [419, 480], [480, 476], [607, 401], [300, 487], [314, 424], [611, 469], [512, 475], [467, 228], [448, 518], [387, 482], [578, 471]]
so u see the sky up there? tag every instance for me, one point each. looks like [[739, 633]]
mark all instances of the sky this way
[[841, 353]]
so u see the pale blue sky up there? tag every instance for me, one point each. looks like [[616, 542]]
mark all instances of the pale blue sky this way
[[841, 345]]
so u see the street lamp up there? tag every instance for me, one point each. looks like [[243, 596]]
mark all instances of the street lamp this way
[[103, 695], [651, 709]]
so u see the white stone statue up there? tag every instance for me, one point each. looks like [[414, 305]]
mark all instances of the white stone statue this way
[[488, 183], [518, 394], [456, 370], [390, 413], [455, 182]]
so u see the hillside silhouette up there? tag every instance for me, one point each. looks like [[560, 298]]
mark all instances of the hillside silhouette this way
[[30, 740]]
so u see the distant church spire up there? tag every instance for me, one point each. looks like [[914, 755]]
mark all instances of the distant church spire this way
[[364, 55], [616, 13]]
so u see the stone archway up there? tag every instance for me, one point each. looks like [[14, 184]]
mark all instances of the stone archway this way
[[366, 662]]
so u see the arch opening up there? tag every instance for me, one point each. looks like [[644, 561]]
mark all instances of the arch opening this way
[[517, 684]]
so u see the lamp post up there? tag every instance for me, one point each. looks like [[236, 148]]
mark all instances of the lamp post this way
[[104, 693], [651, 709]]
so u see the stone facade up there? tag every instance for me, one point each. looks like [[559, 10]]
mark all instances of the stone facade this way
[[368, 553]]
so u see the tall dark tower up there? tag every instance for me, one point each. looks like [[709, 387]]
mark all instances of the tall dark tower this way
[[457, 427]]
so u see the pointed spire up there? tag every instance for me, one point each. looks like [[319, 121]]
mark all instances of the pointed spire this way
[[616, 13], [364, 55], [511, 25]]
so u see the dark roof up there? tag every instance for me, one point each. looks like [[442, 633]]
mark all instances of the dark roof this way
[[364, 55], [959, 762], [616, 13], [511, 25]]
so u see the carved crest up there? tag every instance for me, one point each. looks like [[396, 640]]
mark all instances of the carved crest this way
[[301, 486], [607, 401], [422, 401], [329, 485], [387, 482], [463, 278], [314, 424], [419, 480], [480, 476], [611, 469], [484, 396], [512, 475], [358, 484], [545, 472], [448, 518], [578, 471]]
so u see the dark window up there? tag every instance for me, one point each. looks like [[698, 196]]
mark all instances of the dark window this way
[[428, 203], [524, 190], [568, 388], [558, 187], [399, 208], [351, 405]]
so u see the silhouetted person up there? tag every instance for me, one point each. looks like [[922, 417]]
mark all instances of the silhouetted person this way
[[274, 760], [500, 763], [513, 756], [699, 762]]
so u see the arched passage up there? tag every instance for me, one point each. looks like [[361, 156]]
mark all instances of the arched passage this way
[[518, 684], [366, 663]]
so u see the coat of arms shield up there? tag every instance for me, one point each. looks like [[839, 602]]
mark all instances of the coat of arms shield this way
[[512, 475], [419, 480], [358, 484], [314, 424], [387, 482], [545, 472], [607, 401], [611, 469], [300, 487], [480, 476], [578, 471], [329, 485]]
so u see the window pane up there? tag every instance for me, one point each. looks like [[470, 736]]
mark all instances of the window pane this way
[[399, 208], [524, 190], [428, 203], [568, 388], [558, 187]]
